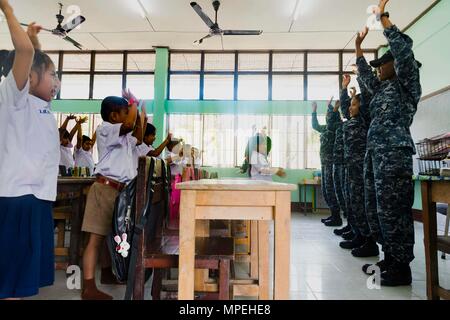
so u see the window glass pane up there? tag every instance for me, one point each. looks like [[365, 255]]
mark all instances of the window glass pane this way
[[219, 87], [75, 86], [288, 62], [108, 62], [185, 61], [218, 138], [188, 127], [287, 87], [253, 62], [323, 62], [184, 86], [142, 85], [313, 143], [141, 62], [253, 87], [77, 62], [247, 126], [287, 136], [55, 59], [322, 87], [107, 85], [219, 62]]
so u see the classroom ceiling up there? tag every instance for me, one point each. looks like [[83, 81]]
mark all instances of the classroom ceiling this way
[[120, 24]]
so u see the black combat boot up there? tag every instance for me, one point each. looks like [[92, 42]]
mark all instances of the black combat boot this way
[[326, 219], [396, 274], [356, 242], [348, 235], [382, 264], [336, 221], [368, 249], [341, 231]]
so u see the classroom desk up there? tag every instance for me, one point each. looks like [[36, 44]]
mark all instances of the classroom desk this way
[[74, 189], [434, 189], [304, 184], [236, 199]]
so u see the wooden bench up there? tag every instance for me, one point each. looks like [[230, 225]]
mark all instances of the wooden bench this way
[[159, 251]]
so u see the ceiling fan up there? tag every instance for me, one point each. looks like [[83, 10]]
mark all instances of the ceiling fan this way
[[215, 30], [63, 30]]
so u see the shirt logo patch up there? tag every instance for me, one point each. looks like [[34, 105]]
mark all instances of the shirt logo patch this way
[[44, 111]]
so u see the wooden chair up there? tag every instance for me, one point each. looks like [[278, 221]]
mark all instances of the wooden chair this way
[[433, 192], [159, 251]]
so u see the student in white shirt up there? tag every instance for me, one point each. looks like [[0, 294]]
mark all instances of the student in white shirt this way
[[260, 168], [66, 148], [83, 150], [117, 138], [146, 148], [174, 157], [29, 159]]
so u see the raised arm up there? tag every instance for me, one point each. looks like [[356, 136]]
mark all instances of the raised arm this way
[[77, 128], [80, 121], [33, 31], [315, 123], [24, 55], [137, 132], [345, 99], [160, 149], [94, 138], [405, 64], [364, 70]]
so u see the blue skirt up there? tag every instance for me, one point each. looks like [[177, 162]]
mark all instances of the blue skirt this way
[[27, 259]]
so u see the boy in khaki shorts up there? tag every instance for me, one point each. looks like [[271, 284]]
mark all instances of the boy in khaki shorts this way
[[117, 136]]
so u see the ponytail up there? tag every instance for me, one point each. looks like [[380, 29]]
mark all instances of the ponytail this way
[[6, 62]]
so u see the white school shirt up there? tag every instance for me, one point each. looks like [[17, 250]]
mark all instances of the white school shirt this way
[[176, 166], [66, 156], [116, 153], [29, 144], [261, 169], [143, 149], [84, 159]]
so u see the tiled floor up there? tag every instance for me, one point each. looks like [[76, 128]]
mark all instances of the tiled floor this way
[[320, 270]]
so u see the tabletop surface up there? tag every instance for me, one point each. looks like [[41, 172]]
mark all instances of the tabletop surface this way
[[235, 185], [75, 180]]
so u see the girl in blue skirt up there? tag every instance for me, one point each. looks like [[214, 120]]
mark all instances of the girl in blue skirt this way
[[29, 161]]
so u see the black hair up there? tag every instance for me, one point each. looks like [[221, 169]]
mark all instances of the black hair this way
[[85, 139], [64, 133], [150, 130], [358, 97], [41, 62], [112, 104]]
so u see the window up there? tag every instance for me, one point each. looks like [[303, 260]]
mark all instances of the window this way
[[253, 87], [323, 62], [188, 127], [143, 62], [142, 85], [313, 143], [218, 136], [108, 62], [184, 86], [288, 134], [287, 87], [348, 59], [107, 85], [288, 62], [75, 86], [185, 61], [254, 62], [219, 62], [79, 62], [219, 87], [322, 87], [55, 59]]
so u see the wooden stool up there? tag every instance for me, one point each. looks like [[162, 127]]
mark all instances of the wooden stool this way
[[61, 215]]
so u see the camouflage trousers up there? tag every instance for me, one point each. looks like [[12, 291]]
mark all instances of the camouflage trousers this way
[[328, 189], [357, 213], [348, 205], [339, 186], [389, 194]]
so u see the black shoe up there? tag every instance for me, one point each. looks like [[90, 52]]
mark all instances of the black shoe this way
[[348, 235], [334, 222], [340, 232], [368, 249], [382, 264], [326, 219], [356, 242], [396, 274]]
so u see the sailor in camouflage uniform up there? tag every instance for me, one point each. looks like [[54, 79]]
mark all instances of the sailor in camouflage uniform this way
[[327, 138], [396, 94], [355, 137]]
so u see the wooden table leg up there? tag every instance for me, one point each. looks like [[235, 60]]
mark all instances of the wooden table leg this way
[[263, 259], [75, 231], [186, 258], [201, 275], [254, 249], [282, 245], [430, 240]]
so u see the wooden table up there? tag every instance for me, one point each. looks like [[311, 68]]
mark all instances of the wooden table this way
[[74, 189], [236, 199], [434, 190], [304, 185]]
